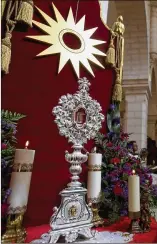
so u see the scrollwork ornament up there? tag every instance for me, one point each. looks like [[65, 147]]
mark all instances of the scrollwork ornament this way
[[71, 237], [65, 115], [24, 167], [17, 210], [94, 167], [94, 199], [45, 238]]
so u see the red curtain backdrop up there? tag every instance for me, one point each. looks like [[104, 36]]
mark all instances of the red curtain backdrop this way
[[33, 88]]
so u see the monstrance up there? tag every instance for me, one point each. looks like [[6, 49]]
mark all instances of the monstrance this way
[[78, 118]]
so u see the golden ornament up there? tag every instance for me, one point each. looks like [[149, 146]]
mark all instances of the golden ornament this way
[[57, 29]]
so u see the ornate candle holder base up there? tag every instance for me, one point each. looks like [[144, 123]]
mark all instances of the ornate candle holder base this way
[[14, 231], [70, 234], [134, 225], [9, 236], [21, 235], [145, 218], [97, 220], [72, 219]]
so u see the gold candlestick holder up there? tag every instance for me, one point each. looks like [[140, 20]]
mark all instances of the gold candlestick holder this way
[[145, 218], [17, 201], [134, 226], [15, 232], [97, 220]]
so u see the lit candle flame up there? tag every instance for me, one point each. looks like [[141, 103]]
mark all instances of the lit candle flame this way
[[26, 145], [133, 172]]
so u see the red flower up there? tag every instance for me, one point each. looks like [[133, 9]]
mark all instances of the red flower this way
[[117, 148], [150, 180], [4, 208], [115, 160], [128, 164], [138, 170], [138, 161], [124, 135], [4, 146], [117, 189], [122, 138], [109, 144]]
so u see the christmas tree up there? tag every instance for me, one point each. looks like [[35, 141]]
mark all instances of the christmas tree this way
[[118, 164], [9, 122]]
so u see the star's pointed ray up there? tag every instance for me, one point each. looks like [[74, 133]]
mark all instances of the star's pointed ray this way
[[89, 33], [95, 42], [50, 50], [48, 19], [63, 60], [45, 39], [86, 64], [95, 60], [54, 36], [59, 17], [80, 23], [75, 64], [43, 27], [70, 19], [97, 51]]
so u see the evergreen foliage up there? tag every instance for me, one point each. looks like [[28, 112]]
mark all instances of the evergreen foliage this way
[[9, 123]]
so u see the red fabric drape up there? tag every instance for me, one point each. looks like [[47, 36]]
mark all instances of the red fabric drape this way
[[150, 237], [33, 88]]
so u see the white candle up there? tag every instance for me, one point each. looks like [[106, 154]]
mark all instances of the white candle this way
[[134, 193], [94, 177], [20, 180]]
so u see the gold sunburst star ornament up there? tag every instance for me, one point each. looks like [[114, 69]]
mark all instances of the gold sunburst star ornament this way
[[56, 30]]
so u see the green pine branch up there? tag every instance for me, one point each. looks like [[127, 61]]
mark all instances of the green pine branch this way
[[8, 152], [14, 117]]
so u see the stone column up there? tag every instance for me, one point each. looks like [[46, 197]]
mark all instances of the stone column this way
[[136, 114], [153, 29], [152, 122]]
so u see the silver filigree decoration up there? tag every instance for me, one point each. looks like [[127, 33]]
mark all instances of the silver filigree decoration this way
[[78, 132], [78, 118]]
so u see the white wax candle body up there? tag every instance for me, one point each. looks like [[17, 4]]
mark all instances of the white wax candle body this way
[[134, 193], [20, 181], [94, 184], [19, 184], [94, 176], [94, 159], [24, 156]]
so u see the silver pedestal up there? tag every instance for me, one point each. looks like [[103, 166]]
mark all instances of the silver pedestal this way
[[78, 118], [72, 219]]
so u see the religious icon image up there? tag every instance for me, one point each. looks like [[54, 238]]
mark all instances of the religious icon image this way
[[80, 117], [72, 211]]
